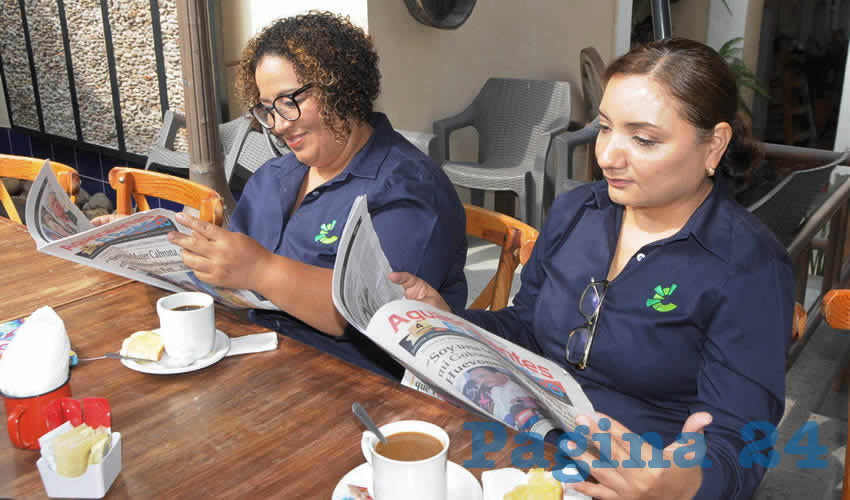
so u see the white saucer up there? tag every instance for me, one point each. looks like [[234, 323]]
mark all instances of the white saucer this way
[[462, 484], [168, 366]]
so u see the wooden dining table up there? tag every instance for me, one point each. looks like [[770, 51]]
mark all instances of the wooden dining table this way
[[269, 424], [31, 279]]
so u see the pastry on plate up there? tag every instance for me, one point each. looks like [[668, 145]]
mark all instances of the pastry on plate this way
[[144, 344], [541, 486]]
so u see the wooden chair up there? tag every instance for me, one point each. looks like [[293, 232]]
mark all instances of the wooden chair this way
[[800, 319], [135, 184], [836, 311], [26, 168], [516, 240]]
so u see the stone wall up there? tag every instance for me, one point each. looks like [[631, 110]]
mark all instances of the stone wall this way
[[135, 65]]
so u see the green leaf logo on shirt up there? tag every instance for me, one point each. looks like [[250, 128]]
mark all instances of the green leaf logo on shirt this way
[[662, 294], [323, 233]]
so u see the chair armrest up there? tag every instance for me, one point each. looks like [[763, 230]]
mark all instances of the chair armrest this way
[[171, 123], [585, 135], [444, 128], [575, 136], [562, 125]]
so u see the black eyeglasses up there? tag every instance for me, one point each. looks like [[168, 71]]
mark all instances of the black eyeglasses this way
[[581, 338], [284, 105]]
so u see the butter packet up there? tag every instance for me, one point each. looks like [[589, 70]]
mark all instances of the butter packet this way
[[70, 451], [45, 442], [100, 447]]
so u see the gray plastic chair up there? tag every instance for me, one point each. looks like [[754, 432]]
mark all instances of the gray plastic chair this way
[[784, 208], [567, 174], [592, 69], [162, 152], [516, 121], [257, 149]]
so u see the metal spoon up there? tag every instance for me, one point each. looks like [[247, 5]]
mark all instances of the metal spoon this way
[[360, 412], [113, 355]]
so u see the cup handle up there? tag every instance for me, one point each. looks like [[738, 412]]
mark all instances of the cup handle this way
[[366, 445], [14, 422]]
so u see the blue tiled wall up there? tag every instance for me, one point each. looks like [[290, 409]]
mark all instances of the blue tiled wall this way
[[93, 167]]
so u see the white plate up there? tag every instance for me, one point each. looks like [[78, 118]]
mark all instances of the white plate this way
[[168, 366], [462, 484]]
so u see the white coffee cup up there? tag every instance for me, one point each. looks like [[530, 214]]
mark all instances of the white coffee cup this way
[[188, 335], [411, 480]]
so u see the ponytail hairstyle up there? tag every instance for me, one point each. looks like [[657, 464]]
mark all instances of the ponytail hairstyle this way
[[701, 81]]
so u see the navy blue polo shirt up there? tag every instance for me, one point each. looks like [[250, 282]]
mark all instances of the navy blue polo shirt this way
[[415, 210], [721, 349]]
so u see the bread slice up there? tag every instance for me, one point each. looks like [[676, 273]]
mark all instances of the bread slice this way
[[144, 344], [541, 486]]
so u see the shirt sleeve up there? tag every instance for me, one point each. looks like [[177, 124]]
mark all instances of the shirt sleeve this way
[[422, 230], [742, 377], [255, 206]]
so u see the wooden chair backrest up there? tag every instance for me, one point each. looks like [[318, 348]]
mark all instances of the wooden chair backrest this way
[[26, 168], [516, 240], [836, 309], [800, 318], [134, 184]]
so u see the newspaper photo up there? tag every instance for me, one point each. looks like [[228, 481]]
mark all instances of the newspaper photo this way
[[135, 246], [445, 355]]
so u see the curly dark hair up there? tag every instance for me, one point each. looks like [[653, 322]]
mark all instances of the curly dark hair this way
[[327, 50]]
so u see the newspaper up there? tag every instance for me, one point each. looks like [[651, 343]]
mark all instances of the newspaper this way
[[135, 246], [445, 355]]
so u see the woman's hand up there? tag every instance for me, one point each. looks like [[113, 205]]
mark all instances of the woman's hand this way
[[418, 289], [220, 257], [671, 482], [105, 219]]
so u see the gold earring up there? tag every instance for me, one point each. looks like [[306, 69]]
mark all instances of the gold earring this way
[[710, 172]]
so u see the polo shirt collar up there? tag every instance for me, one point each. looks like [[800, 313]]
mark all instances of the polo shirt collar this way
[[711, 223], [378, 146], [375, 149]]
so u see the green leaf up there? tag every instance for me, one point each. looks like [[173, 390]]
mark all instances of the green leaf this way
[[744, 78], [729, 46], [665, 307]]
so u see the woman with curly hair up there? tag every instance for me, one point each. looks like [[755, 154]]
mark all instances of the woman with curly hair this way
[[312, 80]]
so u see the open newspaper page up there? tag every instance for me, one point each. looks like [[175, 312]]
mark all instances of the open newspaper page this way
[[360, 283], [135, 246], [444, 354], [457, 358], [50, 213]]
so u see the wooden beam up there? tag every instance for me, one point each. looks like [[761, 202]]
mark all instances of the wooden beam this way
[[206, 160]]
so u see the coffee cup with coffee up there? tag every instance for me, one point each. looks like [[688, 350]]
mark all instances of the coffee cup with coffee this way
[[411, 464], [187, 325]]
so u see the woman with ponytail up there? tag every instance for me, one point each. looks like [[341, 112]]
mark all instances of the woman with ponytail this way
[[667, 301]]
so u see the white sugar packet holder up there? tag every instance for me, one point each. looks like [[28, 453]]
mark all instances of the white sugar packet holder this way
[[95, 481], [499, 482], [256, 342]]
